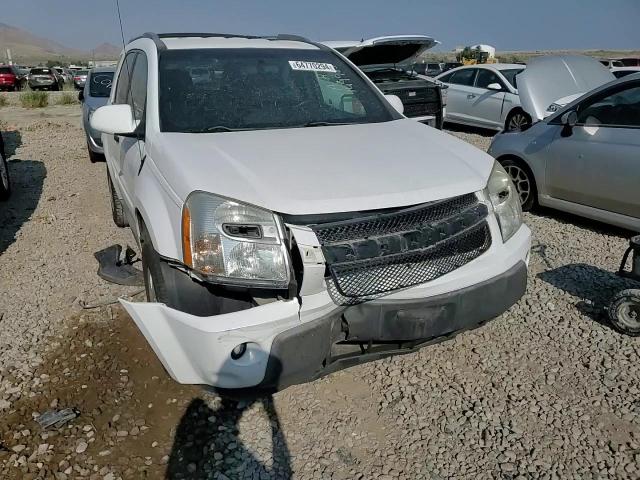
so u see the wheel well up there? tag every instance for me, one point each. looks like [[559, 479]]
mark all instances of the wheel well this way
[[522, 163]]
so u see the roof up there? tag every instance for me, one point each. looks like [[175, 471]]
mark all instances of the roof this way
[[342, 44], [184, 41], [494, 66], [101, 69]]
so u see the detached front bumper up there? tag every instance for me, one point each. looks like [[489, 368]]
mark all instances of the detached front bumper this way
[[288, 343]]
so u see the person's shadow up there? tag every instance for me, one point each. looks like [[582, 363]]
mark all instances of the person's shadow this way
[[206, 443]]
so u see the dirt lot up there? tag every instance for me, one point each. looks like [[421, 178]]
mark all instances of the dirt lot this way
[[547, 390]]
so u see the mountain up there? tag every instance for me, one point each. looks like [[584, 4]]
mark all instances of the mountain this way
[[27, 47]]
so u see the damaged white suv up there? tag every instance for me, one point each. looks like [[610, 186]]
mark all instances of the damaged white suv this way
[[291, 221]]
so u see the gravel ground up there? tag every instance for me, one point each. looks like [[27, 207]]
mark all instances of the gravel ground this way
[[547, 390]]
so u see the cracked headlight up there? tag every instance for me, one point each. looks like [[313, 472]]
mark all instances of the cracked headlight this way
[[233, 242], [505, 200]]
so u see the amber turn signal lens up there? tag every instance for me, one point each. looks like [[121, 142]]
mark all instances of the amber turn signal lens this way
[[186, 237]]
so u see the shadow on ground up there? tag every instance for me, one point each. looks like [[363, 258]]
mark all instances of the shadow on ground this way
[[583, 222], [27, 179], [455, 127], [206, 443], [12, 140], [593, 286]]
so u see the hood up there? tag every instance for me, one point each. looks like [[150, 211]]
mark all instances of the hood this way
[[547, 79], [323, 169], [392, 50]]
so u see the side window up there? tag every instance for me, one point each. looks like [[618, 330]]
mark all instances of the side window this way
[[445, 78], [122, 84], [486, 77], [463, 77], [138, 88], [620, 108]]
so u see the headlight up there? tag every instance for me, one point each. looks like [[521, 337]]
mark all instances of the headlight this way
[[505, 200], [234, 242]]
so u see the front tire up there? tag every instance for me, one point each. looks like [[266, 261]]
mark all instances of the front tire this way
[[5, 184], [117, 210], [523, 179], [154, 283], [624, 312], [517, 120]]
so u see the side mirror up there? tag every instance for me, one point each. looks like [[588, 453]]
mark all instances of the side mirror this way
[[81, 95], [395, 102], [569, 120], [114, 120], [495, 86]]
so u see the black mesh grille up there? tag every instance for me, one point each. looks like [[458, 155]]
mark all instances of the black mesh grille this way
[[371, 256], [394, 222], [420, 109]]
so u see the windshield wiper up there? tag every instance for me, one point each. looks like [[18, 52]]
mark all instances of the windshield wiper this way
[[324, 124], [217, 128]]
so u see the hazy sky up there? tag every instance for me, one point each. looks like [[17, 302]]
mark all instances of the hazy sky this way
[[506, 24]]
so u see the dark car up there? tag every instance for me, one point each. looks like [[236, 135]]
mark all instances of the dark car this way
[[387, 62], [450, 65], [10, 78], [5, 185], [44, 78], [428, 69]]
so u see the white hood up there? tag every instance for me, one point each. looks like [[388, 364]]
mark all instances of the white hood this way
[[324, 169], [549, 78], [394, 49]]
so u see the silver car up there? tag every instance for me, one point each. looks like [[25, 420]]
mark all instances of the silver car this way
[[583, 159], [95, 94]]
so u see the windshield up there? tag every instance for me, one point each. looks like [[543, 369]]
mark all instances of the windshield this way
[[5, 70], [100, 84], [511, 75], [40, 71], [81, 72], [245, 89]]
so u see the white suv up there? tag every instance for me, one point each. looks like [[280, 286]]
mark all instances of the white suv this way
[[291, 221]]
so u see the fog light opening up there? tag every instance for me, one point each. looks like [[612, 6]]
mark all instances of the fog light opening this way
[[238, 351]]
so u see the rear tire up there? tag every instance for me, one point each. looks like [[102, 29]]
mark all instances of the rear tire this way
[[517, 120], [5, 184], [523, 179], [117, 210], [624, 312]]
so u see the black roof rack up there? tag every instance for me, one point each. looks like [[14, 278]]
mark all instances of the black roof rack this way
[[160, 45]]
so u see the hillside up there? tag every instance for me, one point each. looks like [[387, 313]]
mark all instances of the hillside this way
[[27, 47]]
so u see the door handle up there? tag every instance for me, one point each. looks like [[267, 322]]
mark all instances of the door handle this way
[[116, 138], [471, 95]]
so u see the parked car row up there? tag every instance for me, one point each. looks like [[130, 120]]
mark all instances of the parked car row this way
[[10, 78]]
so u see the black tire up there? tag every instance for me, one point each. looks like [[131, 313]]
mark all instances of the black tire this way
[[117, 211], [93, 156], [5, 181], [154, 283], [517, 119], [522, 177], [624, 312]]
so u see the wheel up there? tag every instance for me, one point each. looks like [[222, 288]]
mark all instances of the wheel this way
[[56, 88], [5, 185], [117, 211], [624, 312], [93, 156], [517, 120], [154, 283], [522, 178]]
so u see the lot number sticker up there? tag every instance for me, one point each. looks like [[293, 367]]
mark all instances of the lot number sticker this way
[[311, 66]]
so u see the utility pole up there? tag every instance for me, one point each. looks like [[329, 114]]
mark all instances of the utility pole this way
[[9, 56]]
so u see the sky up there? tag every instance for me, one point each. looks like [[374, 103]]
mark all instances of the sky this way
[[505, 24]]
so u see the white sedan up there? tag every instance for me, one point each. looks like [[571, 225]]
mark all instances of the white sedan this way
[[485, 96]]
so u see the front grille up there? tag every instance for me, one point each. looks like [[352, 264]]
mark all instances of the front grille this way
[[421, 109], [371, 256], [420, 94]]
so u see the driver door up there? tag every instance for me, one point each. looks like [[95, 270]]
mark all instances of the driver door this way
[[487, 103], [598, 163]]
